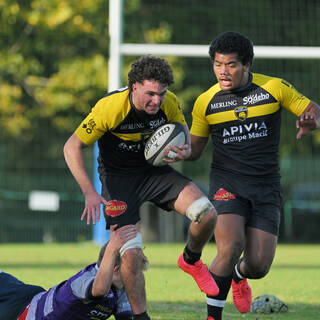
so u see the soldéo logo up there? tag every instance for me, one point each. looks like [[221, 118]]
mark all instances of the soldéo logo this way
[[254, 98]]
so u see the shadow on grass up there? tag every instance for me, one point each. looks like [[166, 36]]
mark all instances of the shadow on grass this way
[[63, 264], [57, 265], [181, 310]]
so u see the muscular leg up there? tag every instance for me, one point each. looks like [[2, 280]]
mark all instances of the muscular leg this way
[[133, 279], [199, 233], [192, 201], [258, 254], [231, 240]]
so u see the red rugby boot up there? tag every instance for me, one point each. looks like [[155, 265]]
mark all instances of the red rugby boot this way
[[201, 275], [242, 297]]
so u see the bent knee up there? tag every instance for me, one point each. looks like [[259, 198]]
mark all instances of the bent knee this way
[[200, 209], [230, 253], [257, 270], [134, 260]]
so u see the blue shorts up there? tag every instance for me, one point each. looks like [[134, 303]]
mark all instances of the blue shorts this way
[[259, 201], [14, 296]]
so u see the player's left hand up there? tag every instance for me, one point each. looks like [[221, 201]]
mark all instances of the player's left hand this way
[[306, 123], [175, 154]]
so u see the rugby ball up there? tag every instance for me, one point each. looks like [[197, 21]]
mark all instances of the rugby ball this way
[[169, 134]]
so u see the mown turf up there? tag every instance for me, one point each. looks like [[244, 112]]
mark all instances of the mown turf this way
[[172, 294]]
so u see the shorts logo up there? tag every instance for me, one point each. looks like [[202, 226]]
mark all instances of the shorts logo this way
[[223, 195], [241, 113], [115, 208]]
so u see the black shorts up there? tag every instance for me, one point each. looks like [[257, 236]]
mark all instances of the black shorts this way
[[125, 194], [259, 201], [15, 295]]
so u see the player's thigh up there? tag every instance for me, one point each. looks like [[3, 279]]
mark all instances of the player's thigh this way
[[230, 235], [260, 248], [124, 199]]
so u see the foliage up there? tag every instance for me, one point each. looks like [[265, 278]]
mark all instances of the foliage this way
[[52, 63]]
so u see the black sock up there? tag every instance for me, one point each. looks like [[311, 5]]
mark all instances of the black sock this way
[[141, 316], [237, 274], [216, 303], [189, 256]]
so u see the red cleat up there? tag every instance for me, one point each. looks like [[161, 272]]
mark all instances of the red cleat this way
[[210, 318], [201, 275], [242, 297]]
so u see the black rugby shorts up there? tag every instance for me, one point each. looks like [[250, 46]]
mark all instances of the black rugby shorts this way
[[258, 200], [125, 194]]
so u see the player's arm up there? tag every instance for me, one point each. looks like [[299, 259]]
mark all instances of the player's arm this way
[[309, 120], [198, 145], [73, 155], [118, 237]]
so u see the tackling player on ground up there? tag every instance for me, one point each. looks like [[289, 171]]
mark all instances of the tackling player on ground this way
[[121, 122], [242, 114], [95, 292]]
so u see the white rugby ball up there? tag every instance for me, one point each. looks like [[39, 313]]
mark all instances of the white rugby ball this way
[[172, 133]]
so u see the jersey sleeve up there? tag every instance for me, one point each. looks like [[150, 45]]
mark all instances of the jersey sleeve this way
[[82, 283], [173, 109], [95, 124], [291, 99], [200, 126]]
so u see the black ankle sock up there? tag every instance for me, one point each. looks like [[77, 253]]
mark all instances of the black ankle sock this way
[[141, 316], [190, 257], [216, 303]]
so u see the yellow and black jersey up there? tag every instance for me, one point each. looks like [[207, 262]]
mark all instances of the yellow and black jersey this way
[[244, 124], [121, 130]]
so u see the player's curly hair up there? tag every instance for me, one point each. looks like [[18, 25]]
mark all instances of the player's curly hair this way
[[232, 42], [150, 68]]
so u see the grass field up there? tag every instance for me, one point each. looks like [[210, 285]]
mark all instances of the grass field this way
[[172, 294]]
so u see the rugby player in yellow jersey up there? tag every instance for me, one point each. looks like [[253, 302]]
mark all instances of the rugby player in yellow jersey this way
[[242, 114], [121, 122]]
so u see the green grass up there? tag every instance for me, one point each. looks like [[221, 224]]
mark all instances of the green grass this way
[[172, 294]]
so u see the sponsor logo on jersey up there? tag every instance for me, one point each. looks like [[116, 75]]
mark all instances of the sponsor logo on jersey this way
[[89, 126], [241, 113], [244, 132], [223, 104], [154, 124], [115, 208], [132, 126], [245, 128], [130, 146], [223, 195], [255, 98]]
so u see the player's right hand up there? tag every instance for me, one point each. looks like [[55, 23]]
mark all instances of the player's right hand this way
[[92, 208]]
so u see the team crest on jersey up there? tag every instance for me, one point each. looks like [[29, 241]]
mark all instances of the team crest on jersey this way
[[223, 195], [89, 126], [115, 208], [241, 113]]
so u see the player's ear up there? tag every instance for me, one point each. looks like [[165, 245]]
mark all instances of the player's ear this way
[[247, 66]]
